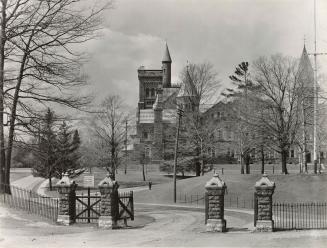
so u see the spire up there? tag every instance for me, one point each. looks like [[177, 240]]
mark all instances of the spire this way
[[305, 67], [187, 88], [166, 57]]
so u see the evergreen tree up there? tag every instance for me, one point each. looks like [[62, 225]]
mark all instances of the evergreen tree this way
[[68, 143], [46, 150]]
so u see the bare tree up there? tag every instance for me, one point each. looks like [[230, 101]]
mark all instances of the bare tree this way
[[278, 87], [40, 60], [199, 85], [109, 128]]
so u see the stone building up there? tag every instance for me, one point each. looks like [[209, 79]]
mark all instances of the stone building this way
[[157, 108], [157, 111], [305, 143]]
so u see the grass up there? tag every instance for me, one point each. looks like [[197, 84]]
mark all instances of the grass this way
[[18, 173], [289, 188]]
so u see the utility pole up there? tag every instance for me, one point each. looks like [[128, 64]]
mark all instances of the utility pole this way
[[315, 96], [304, 145], [126, 146], [179, 113]]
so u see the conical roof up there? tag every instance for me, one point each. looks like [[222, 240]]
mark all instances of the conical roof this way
[[166, 57], [187, 88], [305, 71]]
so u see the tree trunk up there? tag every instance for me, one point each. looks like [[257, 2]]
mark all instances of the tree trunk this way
[[284, 161], [13, 112], [242, 164], [247, 163], [2, 63], [197, 168], [202, 162], [262, 161], [143, 172], [50, 183]]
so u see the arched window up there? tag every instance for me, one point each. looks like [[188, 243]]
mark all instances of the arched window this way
[[147, 152]]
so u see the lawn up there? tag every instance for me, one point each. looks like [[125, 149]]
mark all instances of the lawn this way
[[18, 173], [289, 188]]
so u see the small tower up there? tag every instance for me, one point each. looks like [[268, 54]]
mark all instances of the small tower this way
[[166, 69], [157, 155], [187, 95]]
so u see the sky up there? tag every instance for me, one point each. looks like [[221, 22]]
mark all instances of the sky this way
[[222, 32]]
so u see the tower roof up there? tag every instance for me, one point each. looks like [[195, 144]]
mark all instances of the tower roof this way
[[166, 57], [305, 71], [187, 88]]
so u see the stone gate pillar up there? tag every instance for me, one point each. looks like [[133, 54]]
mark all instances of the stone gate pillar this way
[[216, 190], [67, 204], [264, 190], [109, 203]]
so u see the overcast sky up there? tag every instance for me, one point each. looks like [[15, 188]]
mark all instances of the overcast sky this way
[[223, 32]]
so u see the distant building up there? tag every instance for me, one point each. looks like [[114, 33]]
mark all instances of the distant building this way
[[157, 111]]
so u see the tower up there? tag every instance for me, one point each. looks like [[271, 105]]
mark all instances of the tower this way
[[305, 75], [166, 69], [187, 95], [157, 128]]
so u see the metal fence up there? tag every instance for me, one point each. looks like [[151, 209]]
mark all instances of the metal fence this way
[[31, 202], [292, 216], [229, 201]]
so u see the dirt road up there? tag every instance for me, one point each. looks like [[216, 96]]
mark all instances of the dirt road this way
[[153, 227]]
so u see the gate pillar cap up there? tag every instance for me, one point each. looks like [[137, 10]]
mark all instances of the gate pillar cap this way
[[265, 182], [65, 181], [107, 182], [215, 183]]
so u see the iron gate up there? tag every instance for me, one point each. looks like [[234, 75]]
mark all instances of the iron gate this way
[[126, 206], [87, 207]]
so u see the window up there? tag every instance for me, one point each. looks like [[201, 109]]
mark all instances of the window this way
[[145, 135], [147, 92], [147, 152], [321, 154], [292, 153], [152, 92]]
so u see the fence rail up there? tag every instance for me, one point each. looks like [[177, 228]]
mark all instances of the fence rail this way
[[229, 201], [290, 216], [31, 202]]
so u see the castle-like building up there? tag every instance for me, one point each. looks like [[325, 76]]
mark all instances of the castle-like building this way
[[157, 107], [157, 112]]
